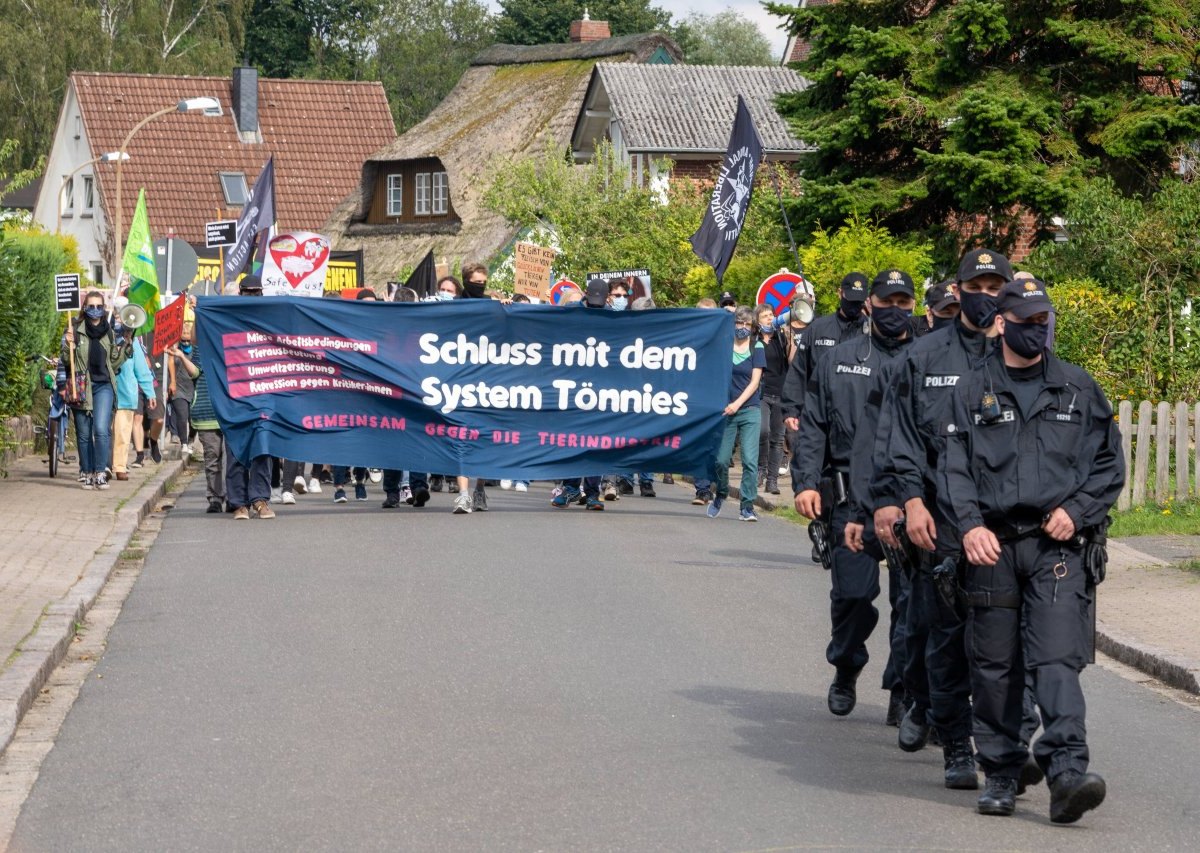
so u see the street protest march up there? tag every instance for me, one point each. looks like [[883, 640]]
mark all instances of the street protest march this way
[[531, 391]]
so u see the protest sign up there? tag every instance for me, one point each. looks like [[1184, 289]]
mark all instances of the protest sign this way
[[638, 281], [295, 265], [222, 232], [66, 292], [531, 270], [168, 325], [471, 387]]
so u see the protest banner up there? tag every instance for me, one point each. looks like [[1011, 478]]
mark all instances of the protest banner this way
[[530, 391], [66, 292], [531, 270], [638, 281], [295, 265], [168, 325]]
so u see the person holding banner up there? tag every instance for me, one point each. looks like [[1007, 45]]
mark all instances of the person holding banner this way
[[134, 375], [742, 415], [249, 487]]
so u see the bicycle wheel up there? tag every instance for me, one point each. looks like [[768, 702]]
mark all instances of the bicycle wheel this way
[[52, 445]]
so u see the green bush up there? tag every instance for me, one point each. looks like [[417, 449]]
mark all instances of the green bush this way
[[1101, 332], [29, 325]]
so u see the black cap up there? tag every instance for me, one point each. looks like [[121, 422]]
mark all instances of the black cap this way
[[727, 298], [941, 295], [597, 293], [892, 281], [1024, 298], [854, 287], [251, 281], [979, 262]]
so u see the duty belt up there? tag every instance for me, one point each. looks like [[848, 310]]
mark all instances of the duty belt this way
[[1007, 600]]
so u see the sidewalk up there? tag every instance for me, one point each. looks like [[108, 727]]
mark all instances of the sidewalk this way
[[60, 544]]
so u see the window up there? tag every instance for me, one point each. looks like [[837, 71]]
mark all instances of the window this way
[[97, 272], [423, 194], [441, 193], [233, 187], [395, 195], [89, 195], [68, 201]]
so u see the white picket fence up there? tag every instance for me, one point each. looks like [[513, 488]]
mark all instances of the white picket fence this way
[[1162, 433]]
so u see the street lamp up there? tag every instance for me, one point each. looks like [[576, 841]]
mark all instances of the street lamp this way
[[188, 105], [110, 157]]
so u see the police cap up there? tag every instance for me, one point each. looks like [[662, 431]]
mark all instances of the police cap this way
[[979, 262], [727, 298], [1024, 298], [941, 295], [854, 287], [250, 283], [892, 281]]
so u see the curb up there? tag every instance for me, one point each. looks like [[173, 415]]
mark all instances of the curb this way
[[1169, 668], [735, 494], [42, 651]]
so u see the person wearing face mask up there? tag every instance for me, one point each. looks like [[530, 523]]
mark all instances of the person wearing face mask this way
[[906, 447], [181, 388], [742, 417], [941, 308], [618, 295], [846, 383], [771, 430], [1032, 465], [133, 376], [97, 353]]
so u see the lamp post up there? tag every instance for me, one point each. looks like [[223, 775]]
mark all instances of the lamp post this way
[[189, 105], [110, 157]]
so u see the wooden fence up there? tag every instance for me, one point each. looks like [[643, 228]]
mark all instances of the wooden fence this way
[[1159, 436]]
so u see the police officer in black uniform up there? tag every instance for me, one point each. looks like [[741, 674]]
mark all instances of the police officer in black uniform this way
[[1032, 465], [837, 397], [907, 449]]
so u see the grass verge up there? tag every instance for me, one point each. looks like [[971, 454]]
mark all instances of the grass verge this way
[[1182, 519]]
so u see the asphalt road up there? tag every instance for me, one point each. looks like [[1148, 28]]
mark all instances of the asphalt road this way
[[528, 679]]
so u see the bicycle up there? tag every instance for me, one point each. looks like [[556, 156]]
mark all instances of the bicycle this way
[[57, 418]]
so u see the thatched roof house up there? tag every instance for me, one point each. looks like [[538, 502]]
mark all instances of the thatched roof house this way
[[424, 191]]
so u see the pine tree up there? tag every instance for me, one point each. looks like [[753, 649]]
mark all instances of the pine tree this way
[[952, 118]]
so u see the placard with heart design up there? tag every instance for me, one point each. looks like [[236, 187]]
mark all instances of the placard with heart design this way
[[296, 264]]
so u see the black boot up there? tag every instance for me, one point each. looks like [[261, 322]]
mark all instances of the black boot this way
[[1072, 793], [999, 796], [914, 730], [772, 486], [842, 695], [960, 766], [895, 707], [1031, 774]]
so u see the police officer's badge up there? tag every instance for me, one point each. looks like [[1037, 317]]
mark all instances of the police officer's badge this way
[[985, 258], [894, 275]]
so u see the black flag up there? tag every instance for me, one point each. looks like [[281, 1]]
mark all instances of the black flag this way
[[718, 234], [257, 215], [424, 278]]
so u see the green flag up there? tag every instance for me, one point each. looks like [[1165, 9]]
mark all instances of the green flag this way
[[139, 263]]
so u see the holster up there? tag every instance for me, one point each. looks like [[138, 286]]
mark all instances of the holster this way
[[818, 533], [1094, 542]]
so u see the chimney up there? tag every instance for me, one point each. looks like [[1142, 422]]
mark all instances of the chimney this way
[[245, 102], [589, 30]]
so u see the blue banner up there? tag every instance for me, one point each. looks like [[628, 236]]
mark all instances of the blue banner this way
[[469, 387]]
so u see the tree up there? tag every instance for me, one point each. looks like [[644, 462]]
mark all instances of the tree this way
[[726, 38], [424, 46], [324, 39], [971, 112], [549, 21]]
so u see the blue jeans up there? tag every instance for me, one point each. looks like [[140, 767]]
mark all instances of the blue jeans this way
[[93, 430], [246, 486], [743, 425], [590, 485]]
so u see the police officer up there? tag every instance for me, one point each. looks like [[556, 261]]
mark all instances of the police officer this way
[[941, 308], [837, 396], [1032, 465], [909, 444]]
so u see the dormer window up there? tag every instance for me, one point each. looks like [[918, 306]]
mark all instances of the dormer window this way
[[233, 187], [412, 192], [395, 195]]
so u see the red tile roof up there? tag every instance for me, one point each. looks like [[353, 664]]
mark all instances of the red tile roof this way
[[319, 131]]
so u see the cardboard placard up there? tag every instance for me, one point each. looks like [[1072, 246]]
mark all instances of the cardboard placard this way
[[168, 326], [531, 270], [66, 292]]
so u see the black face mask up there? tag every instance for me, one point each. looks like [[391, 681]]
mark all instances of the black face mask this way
[[1026, 339], [979, 308], [850, 309], [474, 290], [892, 321], [942, 322]]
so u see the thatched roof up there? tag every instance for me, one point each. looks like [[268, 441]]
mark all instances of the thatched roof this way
[[513, 105]]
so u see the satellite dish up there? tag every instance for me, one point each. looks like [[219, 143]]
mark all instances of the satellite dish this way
[[133, 316]]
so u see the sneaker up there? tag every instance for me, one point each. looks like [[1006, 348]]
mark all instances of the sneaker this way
[[668, 479], [214, 506], [783, 470], [435, 483], [714, 508], [391, 500], [299, 486], [625, 487], [339, 496], [521, 486], [375, 475], [155, 453], [747, 514], [86, 482], [479, 500], [276, 494], [82, 477], [647, 489], [263, 509], [139, 461], [594, 503], [772, 486], [462, 504], [288, 498], [185, 452], [325, 476], [241, 514], [506, 484], [610, 492], [101, 481], [420, 497], [565, 498], [452, 485], [360, 492], [314, 486], [701, 499], [406, 495]]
